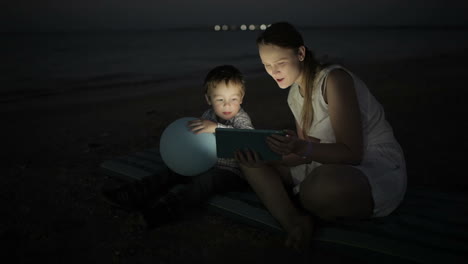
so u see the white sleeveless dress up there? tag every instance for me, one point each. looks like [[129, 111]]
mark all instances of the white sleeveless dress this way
[[383, 162]]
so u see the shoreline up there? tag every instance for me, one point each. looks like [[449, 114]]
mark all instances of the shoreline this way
[[102, 88]]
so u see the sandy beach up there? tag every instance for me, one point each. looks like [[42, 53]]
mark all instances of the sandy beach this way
[[53, 145]]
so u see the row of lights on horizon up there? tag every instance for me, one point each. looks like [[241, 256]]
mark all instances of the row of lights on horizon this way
[[242, 27]]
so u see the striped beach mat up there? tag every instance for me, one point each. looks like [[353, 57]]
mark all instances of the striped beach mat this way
[[430, 226]]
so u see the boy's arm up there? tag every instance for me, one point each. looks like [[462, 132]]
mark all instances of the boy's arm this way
[[205, 124]]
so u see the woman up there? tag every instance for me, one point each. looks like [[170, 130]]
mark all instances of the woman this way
[[343, 160]]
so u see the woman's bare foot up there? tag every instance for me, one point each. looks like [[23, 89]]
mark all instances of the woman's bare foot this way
[[300, 235]]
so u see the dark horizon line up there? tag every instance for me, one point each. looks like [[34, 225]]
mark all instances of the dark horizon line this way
[[210, 28]]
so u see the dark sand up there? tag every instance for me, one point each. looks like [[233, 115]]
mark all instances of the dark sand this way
[[53, 144]]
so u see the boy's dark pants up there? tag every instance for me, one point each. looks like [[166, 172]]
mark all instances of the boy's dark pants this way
[[201, 187], [181, 198]]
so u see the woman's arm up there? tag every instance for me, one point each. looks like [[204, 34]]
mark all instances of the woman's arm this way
[[345, 117], [294, 159]]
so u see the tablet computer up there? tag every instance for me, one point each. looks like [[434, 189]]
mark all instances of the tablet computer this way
[[229, 140]]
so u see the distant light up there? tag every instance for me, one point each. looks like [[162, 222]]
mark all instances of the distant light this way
[[263, 26], [225, 27], [252, 27], [243, 27], [269, 25], [217, 28]]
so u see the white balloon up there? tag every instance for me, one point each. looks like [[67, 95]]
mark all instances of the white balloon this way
[[184, 152]]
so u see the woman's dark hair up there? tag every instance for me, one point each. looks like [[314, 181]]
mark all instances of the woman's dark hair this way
[[285, 35], [281, 34]]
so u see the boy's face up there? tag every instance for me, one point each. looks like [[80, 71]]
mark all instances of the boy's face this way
[[225, 99]]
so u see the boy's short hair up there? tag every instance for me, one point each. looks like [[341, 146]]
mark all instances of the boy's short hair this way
[[226, 73]]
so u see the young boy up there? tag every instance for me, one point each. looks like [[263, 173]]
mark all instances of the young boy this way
[[224, 92]]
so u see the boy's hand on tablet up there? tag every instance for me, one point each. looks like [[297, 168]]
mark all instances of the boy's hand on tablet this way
[[202, 126]]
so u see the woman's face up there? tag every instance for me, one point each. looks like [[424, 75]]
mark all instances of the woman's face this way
[[283, 64]]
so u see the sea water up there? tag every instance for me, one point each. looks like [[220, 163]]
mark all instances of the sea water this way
[[41, 63]]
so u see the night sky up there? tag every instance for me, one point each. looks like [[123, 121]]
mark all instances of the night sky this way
[[52, 15]]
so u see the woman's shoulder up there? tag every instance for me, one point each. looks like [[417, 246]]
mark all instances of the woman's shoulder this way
[[335, 77], [336, 73], [339, 74], [327, 69]]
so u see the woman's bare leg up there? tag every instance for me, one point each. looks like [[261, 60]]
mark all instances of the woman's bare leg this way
[[337, 191], [267, 183]]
